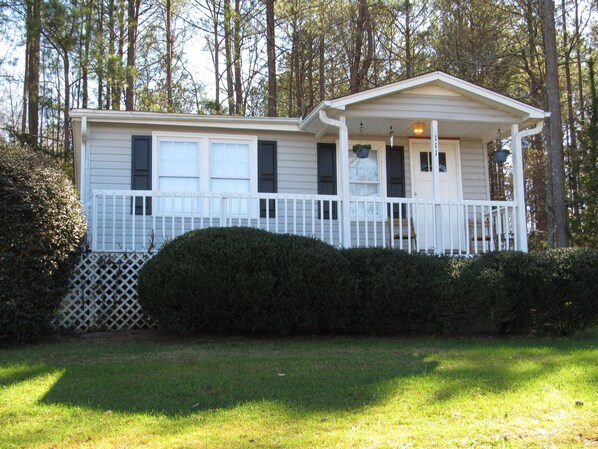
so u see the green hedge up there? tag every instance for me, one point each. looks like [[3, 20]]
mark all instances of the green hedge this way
[[398, 292], [248, 281], [244, 280], [41, 231]]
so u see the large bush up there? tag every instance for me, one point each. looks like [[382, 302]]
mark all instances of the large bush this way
[[41, 231], [512, 292], [398, 292], [248, 281]]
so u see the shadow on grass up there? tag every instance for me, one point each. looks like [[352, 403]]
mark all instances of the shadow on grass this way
[[309, 377], [303, 382]]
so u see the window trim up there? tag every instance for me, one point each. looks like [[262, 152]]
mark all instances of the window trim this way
[[204, 141]]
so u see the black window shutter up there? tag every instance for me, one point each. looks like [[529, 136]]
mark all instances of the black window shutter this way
[[327, 177], [267, 180], [141, 178], [395, 175]]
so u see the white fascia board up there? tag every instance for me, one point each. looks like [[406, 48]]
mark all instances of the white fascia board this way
[[314, 115], [190, 120], [467, 88]]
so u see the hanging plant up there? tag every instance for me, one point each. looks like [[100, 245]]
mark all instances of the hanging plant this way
[[501, 155], [362, 150]]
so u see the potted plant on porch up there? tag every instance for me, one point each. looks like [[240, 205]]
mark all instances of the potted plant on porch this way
[[362, 150]]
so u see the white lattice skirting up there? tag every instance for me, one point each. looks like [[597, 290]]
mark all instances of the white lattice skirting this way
[[103, 294]]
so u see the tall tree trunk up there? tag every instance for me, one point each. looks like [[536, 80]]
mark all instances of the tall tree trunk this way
[[31, 90], [111, 72], [237, 58], [408, 50], [322, 69], [86, 47], [67, 103], [271, 51], [132, 21], [581, 102], [216, 28], [556, 175], [169, 45], [358, 69], [101, 56], [228, 51], [572, 147]]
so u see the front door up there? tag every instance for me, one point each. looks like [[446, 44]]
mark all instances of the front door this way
[[445, 235]]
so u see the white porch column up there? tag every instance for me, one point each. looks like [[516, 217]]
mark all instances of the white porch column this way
[[519, 194], [343, 137], [435, 167], [438, 240], [518, 191]]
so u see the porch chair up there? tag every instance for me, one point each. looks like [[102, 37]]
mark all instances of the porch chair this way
[[399, 229]]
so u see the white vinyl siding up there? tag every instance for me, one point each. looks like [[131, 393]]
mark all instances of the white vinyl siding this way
[[432, 107], [474, 170]]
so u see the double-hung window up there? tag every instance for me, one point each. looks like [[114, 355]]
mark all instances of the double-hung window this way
[[178, 171], [230, 166], [191, 165], [364, 180]]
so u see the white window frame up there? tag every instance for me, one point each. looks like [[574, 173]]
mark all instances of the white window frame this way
[[380, 147], [204, 141]]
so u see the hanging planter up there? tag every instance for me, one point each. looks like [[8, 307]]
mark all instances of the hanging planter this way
[[501, 155], [362, 150]]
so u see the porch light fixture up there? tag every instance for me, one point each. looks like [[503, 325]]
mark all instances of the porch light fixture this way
[[418, 128], [392, 137]]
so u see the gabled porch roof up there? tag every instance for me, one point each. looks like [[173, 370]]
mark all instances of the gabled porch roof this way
[[461, 108]]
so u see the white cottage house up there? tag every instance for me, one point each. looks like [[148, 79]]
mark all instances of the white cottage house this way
[[148, 177]]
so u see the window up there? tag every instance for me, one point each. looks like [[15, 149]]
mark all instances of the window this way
[[178, 171], [204, 163], [230, 172], [364, 180], [425, 161]]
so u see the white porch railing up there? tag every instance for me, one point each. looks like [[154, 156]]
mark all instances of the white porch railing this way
[[127, 220]]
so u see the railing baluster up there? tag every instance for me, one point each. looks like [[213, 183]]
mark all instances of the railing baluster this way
[[133, 223], [330, 223], [113, 221], [94, 220], [124, 206], [143, 212], [103, 220], [303, 216]]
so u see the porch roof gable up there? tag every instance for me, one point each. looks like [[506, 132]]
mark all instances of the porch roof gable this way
[[520, 112]]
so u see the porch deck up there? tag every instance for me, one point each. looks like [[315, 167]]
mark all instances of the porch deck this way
[[141, 221]]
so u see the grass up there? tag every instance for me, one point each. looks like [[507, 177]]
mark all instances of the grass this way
[[301, 393]]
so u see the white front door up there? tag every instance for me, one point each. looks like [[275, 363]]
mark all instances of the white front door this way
[[446, 236]]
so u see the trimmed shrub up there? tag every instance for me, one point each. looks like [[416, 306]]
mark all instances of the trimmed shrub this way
[[398, 292], [41, 231], [245, 280], [551, 292], [491, 294], [566, 290]]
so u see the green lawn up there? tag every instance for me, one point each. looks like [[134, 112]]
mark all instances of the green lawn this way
[[301, 393]]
